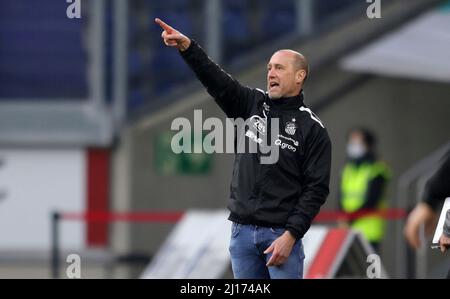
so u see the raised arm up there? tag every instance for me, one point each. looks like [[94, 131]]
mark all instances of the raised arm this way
[[234, 99]]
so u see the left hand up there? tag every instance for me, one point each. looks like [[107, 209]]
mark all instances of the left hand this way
[[444, 242], [281, 249], [422, 214]]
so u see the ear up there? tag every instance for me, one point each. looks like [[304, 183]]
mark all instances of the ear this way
[[300, 76]]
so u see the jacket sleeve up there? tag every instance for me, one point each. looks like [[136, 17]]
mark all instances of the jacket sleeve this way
[[233, 98], [316, 178], [446, 230], [437, 189]]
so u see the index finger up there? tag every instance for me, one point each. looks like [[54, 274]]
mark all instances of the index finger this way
[[271, 260], [164, 26]]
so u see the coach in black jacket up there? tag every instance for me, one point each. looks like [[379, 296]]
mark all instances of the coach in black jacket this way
[[272, 204]]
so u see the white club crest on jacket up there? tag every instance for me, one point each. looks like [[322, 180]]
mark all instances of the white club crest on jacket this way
[[290, 128]]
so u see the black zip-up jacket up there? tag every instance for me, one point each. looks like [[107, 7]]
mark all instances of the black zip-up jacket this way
[[290, 192]]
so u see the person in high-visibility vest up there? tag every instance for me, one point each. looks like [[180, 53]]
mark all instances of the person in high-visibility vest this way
[[363, 183]]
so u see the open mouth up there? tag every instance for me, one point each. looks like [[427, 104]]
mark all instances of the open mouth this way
[[273, 84]]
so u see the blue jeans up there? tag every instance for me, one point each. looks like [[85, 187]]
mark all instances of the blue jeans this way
[[248, 242]]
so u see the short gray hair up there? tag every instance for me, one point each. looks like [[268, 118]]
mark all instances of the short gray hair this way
[[300, 61]]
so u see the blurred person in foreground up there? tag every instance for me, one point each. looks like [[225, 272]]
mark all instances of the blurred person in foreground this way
[[363, 184], [272, 205], [437, 189]]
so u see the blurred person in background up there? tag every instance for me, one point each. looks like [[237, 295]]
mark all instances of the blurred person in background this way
[[272, 205], [437, 190], [362, 185]]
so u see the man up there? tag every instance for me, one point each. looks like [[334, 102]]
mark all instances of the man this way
[[437, 190], [363, 184], [272, 205]]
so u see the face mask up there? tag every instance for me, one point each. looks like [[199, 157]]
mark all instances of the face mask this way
[[355, 150]]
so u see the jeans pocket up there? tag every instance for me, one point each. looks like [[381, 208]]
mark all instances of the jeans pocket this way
[[235, 227], [277, 230], [301, 250]]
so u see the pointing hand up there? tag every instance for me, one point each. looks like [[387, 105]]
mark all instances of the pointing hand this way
[[172, 37]]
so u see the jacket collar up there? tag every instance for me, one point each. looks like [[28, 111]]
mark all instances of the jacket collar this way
[[287, 102]]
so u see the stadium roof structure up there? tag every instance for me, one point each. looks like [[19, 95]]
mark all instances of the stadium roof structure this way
[[418, 50]]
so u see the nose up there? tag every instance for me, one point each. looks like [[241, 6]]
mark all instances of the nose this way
[[271, 74]]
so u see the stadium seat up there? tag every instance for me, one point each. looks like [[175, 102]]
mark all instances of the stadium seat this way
[[278, 18], [168, 5], [135, 99], [236, 33], [42, 54]]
